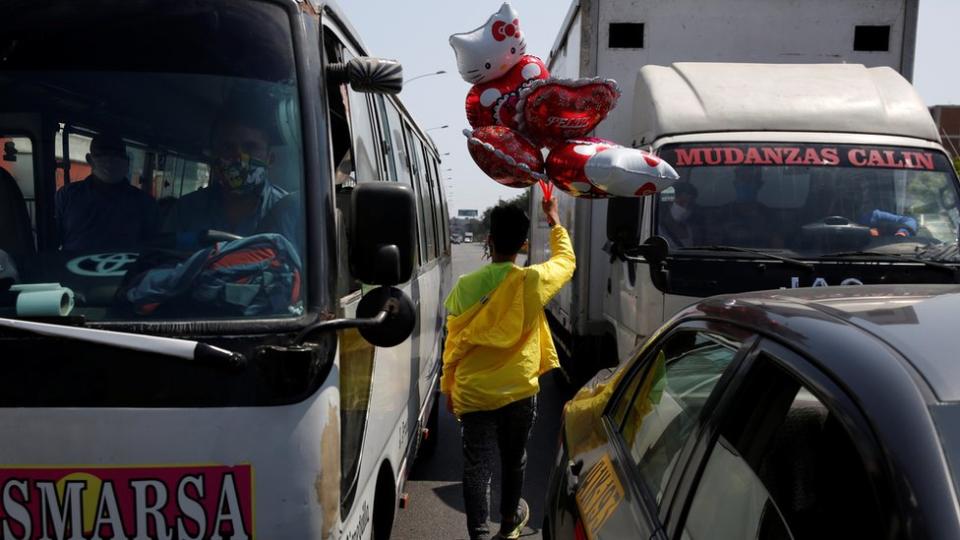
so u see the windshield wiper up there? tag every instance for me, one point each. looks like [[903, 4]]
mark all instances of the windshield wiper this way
[[947, 252], [176, 348], [786, 260], [893, 257]]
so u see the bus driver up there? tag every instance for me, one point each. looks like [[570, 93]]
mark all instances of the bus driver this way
[[240, 193]]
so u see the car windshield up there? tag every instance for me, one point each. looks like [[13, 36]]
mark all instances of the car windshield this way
[[152, 161], [809, 199]]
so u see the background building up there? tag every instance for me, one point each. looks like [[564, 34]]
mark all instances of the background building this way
[[947, 118]]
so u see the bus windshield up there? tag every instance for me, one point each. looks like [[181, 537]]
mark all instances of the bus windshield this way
[[152, 161], [814, 200]]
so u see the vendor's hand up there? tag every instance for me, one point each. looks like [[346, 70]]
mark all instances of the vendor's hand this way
[[550, 210]]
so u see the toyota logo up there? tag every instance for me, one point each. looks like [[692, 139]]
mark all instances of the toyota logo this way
[[102, 264]]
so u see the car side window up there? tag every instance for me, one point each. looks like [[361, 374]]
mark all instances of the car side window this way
[[784, 466], [661, 407]]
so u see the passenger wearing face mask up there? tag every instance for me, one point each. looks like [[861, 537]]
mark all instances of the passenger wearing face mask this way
[[679, 221], [240, 193], [103, 211]]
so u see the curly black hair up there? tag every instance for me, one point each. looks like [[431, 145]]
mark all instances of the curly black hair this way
[[508, 229]]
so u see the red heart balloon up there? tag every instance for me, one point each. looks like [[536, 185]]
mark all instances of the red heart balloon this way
[[494, 103], [556, 110], [505, 155], [566, 166]]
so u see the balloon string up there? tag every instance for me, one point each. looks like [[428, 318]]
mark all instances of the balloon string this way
[[547, 190]]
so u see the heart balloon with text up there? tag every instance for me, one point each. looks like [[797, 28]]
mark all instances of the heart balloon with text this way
[[505, 156]]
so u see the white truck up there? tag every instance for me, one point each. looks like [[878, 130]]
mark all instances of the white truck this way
[[816, 131]]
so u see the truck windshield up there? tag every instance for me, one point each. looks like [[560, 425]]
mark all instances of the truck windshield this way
[[152, 161], [814, 200]]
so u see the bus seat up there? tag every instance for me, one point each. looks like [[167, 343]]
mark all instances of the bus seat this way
[[16, 231]]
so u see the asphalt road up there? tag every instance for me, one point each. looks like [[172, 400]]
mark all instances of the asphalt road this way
[[435, 508]]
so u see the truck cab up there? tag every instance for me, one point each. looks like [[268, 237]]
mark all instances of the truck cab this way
[[799, 175]]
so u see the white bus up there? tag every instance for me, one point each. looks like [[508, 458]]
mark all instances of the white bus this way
[[241, 337]]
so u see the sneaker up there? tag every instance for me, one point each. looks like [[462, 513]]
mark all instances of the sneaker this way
[[512, 530]]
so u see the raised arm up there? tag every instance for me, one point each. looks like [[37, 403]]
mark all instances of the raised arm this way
[[557, 271]]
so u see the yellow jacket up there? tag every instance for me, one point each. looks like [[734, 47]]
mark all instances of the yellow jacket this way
[[499, 346]]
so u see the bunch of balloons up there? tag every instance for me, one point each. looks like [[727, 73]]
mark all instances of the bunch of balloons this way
[[516, 109]]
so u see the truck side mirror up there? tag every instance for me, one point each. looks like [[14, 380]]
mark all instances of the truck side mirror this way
[[623, 221], [369, 75], [382, 233]]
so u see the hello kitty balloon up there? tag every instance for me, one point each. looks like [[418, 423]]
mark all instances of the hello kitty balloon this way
[[515, 108]]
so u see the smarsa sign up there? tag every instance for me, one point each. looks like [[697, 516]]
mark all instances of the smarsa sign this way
[[158, 502]]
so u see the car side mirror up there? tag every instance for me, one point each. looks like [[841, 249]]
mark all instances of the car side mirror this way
[[369, 75], [382, 233]]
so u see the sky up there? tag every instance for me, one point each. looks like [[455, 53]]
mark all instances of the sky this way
[[415, 32]]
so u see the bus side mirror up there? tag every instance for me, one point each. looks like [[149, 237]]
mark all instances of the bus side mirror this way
[[369, 75], [383, 233], [386, 317]]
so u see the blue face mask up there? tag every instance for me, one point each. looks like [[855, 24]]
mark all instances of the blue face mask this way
[[746, 192]]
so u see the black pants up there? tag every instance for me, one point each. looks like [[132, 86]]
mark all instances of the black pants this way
[[509, 429]]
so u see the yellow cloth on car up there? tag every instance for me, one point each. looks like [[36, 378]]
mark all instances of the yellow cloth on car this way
[[498, 347]]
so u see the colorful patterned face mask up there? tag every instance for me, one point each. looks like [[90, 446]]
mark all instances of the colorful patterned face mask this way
[[242, 175]]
